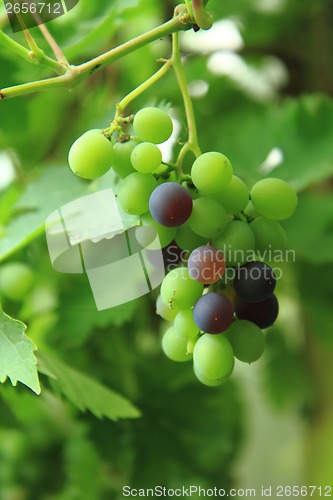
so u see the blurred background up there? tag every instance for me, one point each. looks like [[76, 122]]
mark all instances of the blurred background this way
[[262, 84]]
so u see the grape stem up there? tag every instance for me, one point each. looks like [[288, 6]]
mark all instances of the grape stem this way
[[122, 105], [60, 56], [35, 55], [175, 61], [203, 20], [192, 144], [71, 75], [189, 7]]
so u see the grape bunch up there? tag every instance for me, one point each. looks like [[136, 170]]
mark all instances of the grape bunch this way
[[220, 296]]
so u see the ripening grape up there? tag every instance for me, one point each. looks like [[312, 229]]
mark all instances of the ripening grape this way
[[263, 313], [166, 234], [268, 235], [236, 241], [213, 357], [247, 340], [134, 193], [206, 264], [146, 157], [91, 155], [255, 281], [16, 280], [211, 172], [184, 324], [170, 204], [213, 313], [179, 290], [163, 310], [208, 218], [152, 125], [122, 157], [234, 197], [274, 198], [174, 346]]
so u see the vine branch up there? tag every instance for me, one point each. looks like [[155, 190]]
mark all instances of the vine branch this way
[[192, 144], [75, 74]]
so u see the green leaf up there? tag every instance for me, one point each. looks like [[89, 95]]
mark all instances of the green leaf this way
[[17, 360], [286, 379], [315, 287], [309, 230], [83, 469], [301, 128], [85, 392], [55, 187]]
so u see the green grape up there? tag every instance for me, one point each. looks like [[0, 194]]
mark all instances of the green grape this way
[[236, 242], [191, 189], [211, 172], [179, 290], [97, 131], [134, 193], [145, 237], [191, 344], [152, 125], [247, 340], [184, 324], [187, 239], [268, 235], [163, 310], [209, 381], [174, 346], [208, 218], [16, 280], [234, 197], [274, 198], [229, 292], [161, 171], [146, 157], [122, 157], [91, 155], [250, 210], [166, 234], [213, 356]]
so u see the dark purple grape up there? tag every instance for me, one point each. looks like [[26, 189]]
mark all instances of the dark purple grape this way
[[255, 281], [170, 204], [172, 256], [213, 313], [262, 313]]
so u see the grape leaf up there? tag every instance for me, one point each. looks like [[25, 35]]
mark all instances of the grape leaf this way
[[79, 317], [17, 360], [85, 392], [309, 230], [51, 190], [83, 468], [301, 129], [55, 187]]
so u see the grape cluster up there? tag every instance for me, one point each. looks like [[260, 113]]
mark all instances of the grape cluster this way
[[221, 295]]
